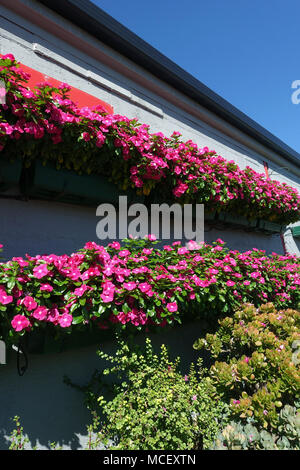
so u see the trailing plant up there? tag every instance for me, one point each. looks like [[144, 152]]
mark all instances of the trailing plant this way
[[138, 286], [43, 123], [18, 440], [258, 372], [153, 405], [240, 436]]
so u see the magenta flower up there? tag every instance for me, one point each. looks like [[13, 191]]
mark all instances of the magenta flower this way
[[40, 313], [65, 320], [236, 402], [29, 303], [20, 322], [129, 285], [172, 307], [40, 271], [46, 287], [144, 287], [4, 298], [151, 237]]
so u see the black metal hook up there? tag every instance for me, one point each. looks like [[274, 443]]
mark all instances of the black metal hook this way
[[21, 350]]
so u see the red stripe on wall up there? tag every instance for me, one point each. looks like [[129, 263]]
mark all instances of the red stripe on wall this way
[[81, 98], [266, 167]]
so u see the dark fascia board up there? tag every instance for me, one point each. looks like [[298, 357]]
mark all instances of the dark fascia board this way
[[102, 26]]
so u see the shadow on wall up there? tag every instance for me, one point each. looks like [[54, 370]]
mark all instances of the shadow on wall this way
[[50, 410]]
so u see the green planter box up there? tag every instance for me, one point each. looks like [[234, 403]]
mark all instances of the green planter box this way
[[10, 173], [44, 342], [236, 220], [46, 182], [296, 231], [209, 216], [269, 227]]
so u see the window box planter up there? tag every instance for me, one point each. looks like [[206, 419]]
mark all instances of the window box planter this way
[[296, 231], [10, 173], [44, 342], [209, 216], [46, 182], [269, 227], [236, 220]]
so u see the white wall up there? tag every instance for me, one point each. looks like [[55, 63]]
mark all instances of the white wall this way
[[48, 53], [52, 411]]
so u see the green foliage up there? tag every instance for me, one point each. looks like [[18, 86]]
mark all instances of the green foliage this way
[[239, 436], [17, 438], [259, 373], [155, 407]]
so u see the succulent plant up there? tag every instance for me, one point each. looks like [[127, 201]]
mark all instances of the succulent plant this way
[[239, 436]]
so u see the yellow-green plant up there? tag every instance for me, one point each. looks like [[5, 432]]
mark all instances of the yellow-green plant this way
[[154, 406], [258, 366]]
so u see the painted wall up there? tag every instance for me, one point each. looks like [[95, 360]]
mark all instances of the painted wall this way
[[39, 49], [50, 411]]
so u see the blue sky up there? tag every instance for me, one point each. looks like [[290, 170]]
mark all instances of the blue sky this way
[[247, 51]]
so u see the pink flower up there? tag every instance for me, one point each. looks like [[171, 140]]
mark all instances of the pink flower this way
[[40, 271], [46, 287], [230, 283], [29, 303], [129, 285], [20, 322], [40, 313], [53, 315], [86, 136], [151, 237], [124, 253], [81, 290], [65, 320], [168, 248], [144, 287], [108, 292], [194, 397], [107, 297], [8, 56], [180, 189], [172, 307], [115, 245], [255, 274], [4, 298]]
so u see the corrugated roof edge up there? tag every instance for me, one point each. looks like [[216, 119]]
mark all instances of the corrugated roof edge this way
[[99, 24]]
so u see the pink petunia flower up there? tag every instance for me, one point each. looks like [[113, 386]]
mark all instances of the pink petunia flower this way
[[20, 322], [172, 307]]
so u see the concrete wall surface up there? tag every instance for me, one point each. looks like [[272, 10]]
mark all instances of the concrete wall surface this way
[[52, 411]]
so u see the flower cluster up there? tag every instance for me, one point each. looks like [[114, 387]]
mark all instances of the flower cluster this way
[[261, 373], [44, 123], [155, 407], [137, 284]]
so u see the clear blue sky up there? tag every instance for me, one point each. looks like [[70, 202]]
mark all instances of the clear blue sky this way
[[247, 51]]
